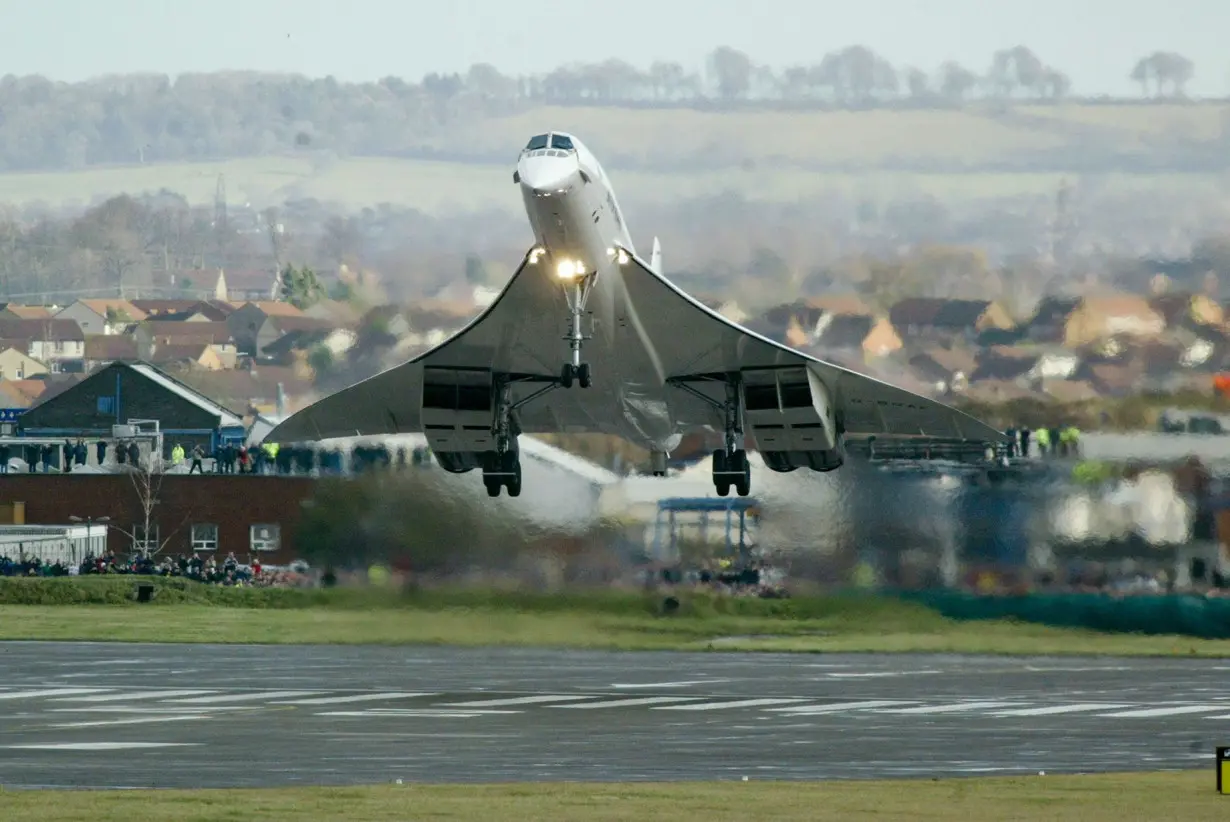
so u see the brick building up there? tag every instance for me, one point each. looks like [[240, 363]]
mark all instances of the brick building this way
[[209, 514]]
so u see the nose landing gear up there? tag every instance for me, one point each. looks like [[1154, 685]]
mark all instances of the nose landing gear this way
[[578, 290]]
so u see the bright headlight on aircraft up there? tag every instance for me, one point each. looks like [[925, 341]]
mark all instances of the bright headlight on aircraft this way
[[567, 269], [535, 256]]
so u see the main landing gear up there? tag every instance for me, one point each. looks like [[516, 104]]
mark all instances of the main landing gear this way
[[730, 465], [578, 290]]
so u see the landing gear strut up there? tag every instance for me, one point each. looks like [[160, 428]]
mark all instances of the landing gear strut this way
[[502, 467], [730, 465], [578, 291]]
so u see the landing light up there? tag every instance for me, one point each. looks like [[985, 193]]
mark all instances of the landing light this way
[[567, 269], [535, 256]]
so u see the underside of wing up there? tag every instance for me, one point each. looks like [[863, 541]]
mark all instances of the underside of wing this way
[[705, 346], [518, 336]]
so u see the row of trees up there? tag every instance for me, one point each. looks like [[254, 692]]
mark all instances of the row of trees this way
[[149, 117]]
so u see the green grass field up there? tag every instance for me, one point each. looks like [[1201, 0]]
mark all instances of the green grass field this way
[[99, 610], [768, 155], [1103, 798]]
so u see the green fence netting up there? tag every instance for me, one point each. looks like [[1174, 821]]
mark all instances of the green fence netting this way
[[1185, 615]]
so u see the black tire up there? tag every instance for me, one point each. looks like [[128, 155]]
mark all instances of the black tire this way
[[493, 486], [513, 483], [719, 461], [722, 487], [565, 376], [584, 376]]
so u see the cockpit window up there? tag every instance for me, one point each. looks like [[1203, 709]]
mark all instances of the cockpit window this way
[[536, 142], [561, 141]]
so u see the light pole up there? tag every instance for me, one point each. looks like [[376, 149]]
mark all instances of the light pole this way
[[89, 522]]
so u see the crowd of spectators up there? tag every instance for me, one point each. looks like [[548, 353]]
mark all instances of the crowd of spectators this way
[[230, 571]]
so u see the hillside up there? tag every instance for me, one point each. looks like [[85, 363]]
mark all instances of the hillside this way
[[663, 154]]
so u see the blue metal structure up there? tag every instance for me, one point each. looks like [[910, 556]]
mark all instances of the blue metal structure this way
[[734, 508]]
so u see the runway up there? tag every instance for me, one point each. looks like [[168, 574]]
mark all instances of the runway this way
[[120, 715]]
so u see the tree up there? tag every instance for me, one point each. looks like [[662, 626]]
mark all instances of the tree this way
[[146, 534], [731, 70], [956, 82], [300, 287]]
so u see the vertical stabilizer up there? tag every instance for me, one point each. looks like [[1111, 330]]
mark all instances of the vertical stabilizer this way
[[655, 258]]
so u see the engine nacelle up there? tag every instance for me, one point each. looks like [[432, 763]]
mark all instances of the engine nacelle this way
[[458, 409], [789, 410], [786, 461], [458, 462]]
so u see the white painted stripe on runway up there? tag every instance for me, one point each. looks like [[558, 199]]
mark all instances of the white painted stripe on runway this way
[[1173, 710], [682, 684], [621, 703], [209, 700], [877, 674], [1062, 709], [99, 746], [138, 721], [717, 706], [440, 713], [332, 700], [518, 700], [52, 692], [953, 708], [133, 695], [217, 710], [838, 707]]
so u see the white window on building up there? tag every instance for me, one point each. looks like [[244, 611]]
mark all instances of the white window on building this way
[[142, 541], [266, 537], [204, 536]]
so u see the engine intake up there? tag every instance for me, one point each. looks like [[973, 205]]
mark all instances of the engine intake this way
[[789, 413], [457, 412]]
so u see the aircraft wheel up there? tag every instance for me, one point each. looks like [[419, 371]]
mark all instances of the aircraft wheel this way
[[743, 483], [493, 486], [583, 375], [565, 375], [722, 487], [513, 483]]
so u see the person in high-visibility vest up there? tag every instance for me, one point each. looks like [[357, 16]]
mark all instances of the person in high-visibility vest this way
[[1044, 441], [177, 454]]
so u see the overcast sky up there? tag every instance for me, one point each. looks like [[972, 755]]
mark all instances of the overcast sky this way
[[1094, 41]]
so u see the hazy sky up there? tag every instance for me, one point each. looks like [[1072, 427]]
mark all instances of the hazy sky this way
[[1095, 41]]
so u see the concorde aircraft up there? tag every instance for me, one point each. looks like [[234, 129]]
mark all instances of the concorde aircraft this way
[[588, 337]]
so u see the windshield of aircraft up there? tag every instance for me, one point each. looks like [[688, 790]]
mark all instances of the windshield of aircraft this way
[[536, 142], [561, 141]]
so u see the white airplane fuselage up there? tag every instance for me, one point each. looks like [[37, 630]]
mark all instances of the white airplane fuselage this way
[[578, 224]]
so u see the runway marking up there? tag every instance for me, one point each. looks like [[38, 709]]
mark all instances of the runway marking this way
[[439, 713], [716, 706], [949, 709], [99, 746], [683, 684], [207, 700], [1172, 710], [1061, 709], [330, 700], [877, 674], [620, 703], [518, 700], [52, 692], [837, 707], [139, 721], [123, 697], [152, 709]]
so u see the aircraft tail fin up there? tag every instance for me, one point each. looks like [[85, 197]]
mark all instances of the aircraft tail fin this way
[[655, 257]]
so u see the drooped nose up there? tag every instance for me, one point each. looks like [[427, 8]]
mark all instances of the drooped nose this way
[[548, 175]]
